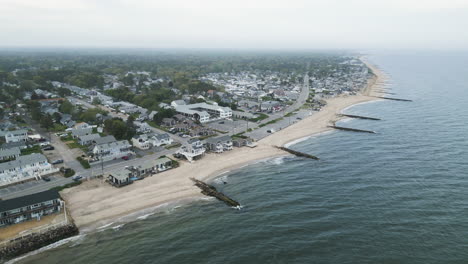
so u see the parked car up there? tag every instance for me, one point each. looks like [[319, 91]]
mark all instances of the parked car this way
[[77, 177], [222, 122], [48, 148], [125, 157], [57, 161], [44, 144], [47, 179]]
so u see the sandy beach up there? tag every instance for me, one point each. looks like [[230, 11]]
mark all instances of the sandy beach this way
[[96, 203]]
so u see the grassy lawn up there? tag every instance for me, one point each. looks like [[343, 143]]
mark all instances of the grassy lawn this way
[[67, 138], [31, 150], [59, 188], [84, 163], [153, 124], [271, 122], [259, 118]]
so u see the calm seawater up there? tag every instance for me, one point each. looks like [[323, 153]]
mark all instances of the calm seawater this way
[[399, 196]]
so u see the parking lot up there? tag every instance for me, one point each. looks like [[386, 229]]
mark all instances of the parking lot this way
[[262, 132]]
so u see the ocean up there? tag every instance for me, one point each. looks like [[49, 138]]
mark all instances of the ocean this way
[[398, 196]]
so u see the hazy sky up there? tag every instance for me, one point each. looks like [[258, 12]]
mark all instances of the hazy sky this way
[[292, 24]]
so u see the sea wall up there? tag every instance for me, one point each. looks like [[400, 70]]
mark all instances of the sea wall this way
[[35, 241]]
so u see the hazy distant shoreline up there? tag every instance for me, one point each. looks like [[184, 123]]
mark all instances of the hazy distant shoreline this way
[[95, 203]]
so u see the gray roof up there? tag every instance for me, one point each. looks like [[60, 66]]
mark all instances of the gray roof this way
[[10, 152], [15, 132], [104, 140], [27, 200], [82, 131], [89, 137], [115, 144], [20, 145], [22, 161], [218, 139], [162, 136]]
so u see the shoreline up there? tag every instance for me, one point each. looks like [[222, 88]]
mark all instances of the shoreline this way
[[95, 203]]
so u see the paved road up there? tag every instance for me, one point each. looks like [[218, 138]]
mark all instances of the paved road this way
[[33, 187], [303, 96]]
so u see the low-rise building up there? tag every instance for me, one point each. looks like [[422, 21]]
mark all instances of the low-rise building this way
[[32, 166], [30, 207], [112, 150], [139, 170], [204, 112], [79, 132], [88, 139], [191, 150], [10, 153], [15, 135], [218, 144]]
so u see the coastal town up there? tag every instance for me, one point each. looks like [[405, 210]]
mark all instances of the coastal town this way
[[120, 128]]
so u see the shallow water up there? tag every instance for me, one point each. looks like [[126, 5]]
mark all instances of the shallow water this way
[[398, 196]]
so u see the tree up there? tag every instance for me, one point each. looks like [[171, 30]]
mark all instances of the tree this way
[[66, 107], [96, 101], [47, 122], [56, 117], [163, 113], [117, 128]]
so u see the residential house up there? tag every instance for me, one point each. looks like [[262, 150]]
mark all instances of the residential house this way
[[104, 140], [88, 139], [32, 166], [29, 207], [67, 121], [161, 139], [191, 150], [82, 125], [10, 154], [218, 144], [79, 132], [15, 135], [141, 141], [168, 122], [140, 169], [112, 150]]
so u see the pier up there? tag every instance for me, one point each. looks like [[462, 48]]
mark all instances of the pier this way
[[359, 117], [297, 153], [352, 129], [395, 99], [210, 190]]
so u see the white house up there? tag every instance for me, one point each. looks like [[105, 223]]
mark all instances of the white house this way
[[112, 150], [15, 135], [192, 149], [203, 112], [147, 141], [141, 141], [161, 139], [24, 168], [218, 144]]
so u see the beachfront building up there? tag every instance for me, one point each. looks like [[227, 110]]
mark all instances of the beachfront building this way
[[192, 150], [112, 150], [218, 144], [30, 207], [15, 135], [139, 170], [203, 112], [32, 166]]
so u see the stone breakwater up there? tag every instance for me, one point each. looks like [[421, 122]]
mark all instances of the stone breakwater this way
[[35, 241]]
